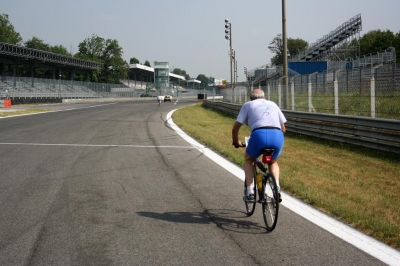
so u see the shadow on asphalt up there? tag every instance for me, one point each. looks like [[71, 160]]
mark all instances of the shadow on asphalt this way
[[230, 220]]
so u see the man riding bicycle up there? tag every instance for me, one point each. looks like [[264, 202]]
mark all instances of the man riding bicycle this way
[[267, 125], [159, 99]]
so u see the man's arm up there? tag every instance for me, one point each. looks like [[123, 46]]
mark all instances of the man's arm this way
[[283, 128], [235, 135]]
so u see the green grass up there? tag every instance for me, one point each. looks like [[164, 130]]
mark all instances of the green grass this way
[[357, 185]]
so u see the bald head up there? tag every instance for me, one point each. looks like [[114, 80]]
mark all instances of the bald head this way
[[256, 94]]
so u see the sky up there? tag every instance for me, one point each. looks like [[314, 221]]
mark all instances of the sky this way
[[190, 35]]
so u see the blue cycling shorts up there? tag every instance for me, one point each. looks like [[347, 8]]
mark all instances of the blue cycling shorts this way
[[265, 138]]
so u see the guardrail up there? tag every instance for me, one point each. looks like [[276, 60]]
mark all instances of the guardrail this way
[[380, 134]]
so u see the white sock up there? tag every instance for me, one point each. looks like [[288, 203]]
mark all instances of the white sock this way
[[249, 190]]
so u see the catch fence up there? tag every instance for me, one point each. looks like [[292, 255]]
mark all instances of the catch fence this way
[[366, 91]]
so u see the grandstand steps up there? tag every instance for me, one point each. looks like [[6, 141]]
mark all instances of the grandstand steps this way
[[343, 32]]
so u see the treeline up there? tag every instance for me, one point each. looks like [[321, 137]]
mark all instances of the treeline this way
[[94, 48]]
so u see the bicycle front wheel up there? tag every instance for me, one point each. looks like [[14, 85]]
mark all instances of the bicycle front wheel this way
[[270, 204]]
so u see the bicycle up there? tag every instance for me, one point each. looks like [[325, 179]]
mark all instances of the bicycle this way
[[268, 194]]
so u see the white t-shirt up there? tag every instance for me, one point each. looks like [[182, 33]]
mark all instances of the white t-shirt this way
[[261, 113]]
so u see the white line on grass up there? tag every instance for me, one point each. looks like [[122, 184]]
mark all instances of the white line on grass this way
[[365, 243]]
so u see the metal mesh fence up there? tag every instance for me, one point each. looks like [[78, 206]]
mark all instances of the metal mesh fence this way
[[371, 92]]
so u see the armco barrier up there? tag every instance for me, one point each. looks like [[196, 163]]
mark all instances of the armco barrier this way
[[375, 133]]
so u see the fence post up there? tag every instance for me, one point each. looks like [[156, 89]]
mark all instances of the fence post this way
[[309, 94], [336, 90], [279, 94], [374, 71], [372, 97], [336, 95], [268, 92], [292, 92]]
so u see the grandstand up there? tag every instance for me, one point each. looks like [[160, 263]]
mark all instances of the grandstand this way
[[324, 48], [329, 53], [30, 89]]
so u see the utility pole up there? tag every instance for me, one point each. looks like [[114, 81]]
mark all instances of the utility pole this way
[[285, 63]]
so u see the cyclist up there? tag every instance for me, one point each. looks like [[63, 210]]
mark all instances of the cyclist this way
[[159, 100], [267, 125]]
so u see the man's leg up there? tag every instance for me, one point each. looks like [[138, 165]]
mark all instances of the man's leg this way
[[249, 172], [274, 168]]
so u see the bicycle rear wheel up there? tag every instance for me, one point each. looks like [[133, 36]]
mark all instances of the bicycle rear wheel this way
[[270, 204], [250, 206]]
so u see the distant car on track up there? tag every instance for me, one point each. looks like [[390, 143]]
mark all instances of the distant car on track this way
[[167, 98]]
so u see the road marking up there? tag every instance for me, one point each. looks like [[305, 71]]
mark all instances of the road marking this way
[[96, 145], [55, 110], [364, 242]]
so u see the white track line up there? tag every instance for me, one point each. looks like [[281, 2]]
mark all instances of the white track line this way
[[95, 145], [55, 110], [365, 243]]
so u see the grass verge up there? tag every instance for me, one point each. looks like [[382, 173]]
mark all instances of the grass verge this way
[[20, 112], [358, 186]]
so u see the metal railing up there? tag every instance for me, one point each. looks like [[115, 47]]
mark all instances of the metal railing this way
[[379, 134]]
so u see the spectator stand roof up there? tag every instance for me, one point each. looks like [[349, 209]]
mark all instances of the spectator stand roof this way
[[144, 71], [11, 54], [193, 81]]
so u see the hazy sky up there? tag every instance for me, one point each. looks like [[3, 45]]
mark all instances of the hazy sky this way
[[190, 34]]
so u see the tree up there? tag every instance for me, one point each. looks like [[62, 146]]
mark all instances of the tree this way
[[7, 32], [376, 40], [59, 49], [276, 47], [396, 46], [115, 68], [204, 80], [177, 71], [294, 46], [36, 43], [181, 72], [147, 63], [91, 48], [134, 60]]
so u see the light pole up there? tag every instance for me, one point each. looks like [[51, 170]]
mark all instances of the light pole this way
[[59, 85], [234, 61], [247, 77], [285, 65], [228, 36]]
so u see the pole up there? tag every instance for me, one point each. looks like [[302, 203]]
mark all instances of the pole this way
[[59, 84], [284, 63], [230, 55]]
